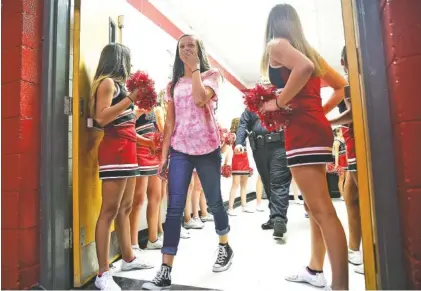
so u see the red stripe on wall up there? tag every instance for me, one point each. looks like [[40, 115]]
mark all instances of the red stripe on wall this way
[[151, 12]]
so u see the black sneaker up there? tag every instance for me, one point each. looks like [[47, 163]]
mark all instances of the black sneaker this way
[[267, 225], [224, 259], [279, 228], [162, 280]]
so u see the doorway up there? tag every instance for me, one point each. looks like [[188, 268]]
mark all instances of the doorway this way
[[93, 28]]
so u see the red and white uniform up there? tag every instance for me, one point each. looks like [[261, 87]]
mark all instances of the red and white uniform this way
[[342, 162], [117, 150], [240, 163], [148, 163], [308, 134]]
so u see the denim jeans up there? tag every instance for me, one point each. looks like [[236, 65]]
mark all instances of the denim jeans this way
[[180, 172]]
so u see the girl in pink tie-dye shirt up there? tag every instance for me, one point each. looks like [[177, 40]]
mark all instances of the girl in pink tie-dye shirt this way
[[191, 140]]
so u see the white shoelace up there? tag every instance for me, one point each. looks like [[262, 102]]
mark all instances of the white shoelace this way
[[222, 254]]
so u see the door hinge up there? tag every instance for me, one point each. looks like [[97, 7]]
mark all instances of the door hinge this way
[[68, 238], [68, 105]]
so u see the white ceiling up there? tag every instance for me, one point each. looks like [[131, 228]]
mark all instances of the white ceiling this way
[[232, 30]]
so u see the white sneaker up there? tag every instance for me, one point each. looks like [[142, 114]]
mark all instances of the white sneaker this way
[[208, 217], [194, 223], [359, 269], [248, 209], [161, 236], [137, 251], [136, 264], [184, 233], [260, 208], [355, 257], [231, 212], [157, 245], [106, 282], [303, 276]]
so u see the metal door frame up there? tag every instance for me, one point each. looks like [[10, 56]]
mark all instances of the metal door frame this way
[[56, 202], [377, 105]]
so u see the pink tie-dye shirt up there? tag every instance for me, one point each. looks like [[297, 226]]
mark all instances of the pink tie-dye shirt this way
[[195, 130]]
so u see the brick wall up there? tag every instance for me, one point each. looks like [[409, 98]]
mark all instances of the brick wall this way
[[21, 31], [402, 41]]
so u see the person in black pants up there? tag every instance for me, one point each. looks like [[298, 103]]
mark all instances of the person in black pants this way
[[270, 158]]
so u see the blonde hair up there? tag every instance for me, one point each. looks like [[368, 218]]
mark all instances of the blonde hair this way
[[234, 125], [284, 22], [114, 63]]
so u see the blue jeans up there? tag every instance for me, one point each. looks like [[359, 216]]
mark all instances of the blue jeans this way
[[180, 172]]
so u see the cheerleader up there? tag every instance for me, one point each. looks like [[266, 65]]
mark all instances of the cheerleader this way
[[240, 175], [192, 133], [339, 154], [112, 110], [147, 184], [351, 196], [296, 67]]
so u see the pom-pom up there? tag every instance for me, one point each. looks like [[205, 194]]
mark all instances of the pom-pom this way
[[332, 169], [255, 98], [226, 171], [251, 172], [148, 96], [157, 139], [229, 138]]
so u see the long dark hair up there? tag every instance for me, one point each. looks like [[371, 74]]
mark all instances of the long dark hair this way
[[114, 63], [178, 68]]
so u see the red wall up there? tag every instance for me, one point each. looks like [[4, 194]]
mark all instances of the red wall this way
[[402, 41], [21, 30]]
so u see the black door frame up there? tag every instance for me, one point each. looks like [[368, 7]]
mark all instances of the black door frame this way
[[56, 269], [391, 272]]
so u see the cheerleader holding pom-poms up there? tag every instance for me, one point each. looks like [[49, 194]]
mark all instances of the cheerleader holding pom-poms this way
[[111, 107], [240, 174]]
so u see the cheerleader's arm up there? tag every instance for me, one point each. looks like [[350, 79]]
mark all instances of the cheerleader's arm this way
[[159, 113], [337, 82], [168, 130], [141, 140]]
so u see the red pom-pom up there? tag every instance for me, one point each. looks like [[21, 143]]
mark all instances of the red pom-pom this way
[[254, 100], [226, 171], [157, 139], [148, 96], [229, 138], [332, 169]]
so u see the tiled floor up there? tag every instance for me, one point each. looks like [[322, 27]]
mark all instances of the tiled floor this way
[[260, 262]]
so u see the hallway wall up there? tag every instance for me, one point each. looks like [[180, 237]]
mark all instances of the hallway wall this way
[[21, 46], [402, 44]]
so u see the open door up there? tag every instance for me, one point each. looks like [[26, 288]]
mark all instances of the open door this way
[[362, 145], [95, 25]]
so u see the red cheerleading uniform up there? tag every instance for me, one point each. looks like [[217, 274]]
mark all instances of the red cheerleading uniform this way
[[240, 163], [148, 163], [308, 134], [117, 150]]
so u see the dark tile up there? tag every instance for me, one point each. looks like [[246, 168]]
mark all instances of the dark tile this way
[[132, 284]]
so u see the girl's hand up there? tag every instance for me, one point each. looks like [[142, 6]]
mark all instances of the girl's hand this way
[[269, 106], [190, 59]]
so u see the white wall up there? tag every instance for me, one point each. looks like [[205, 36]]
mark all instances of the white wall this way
[[153, 51]]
